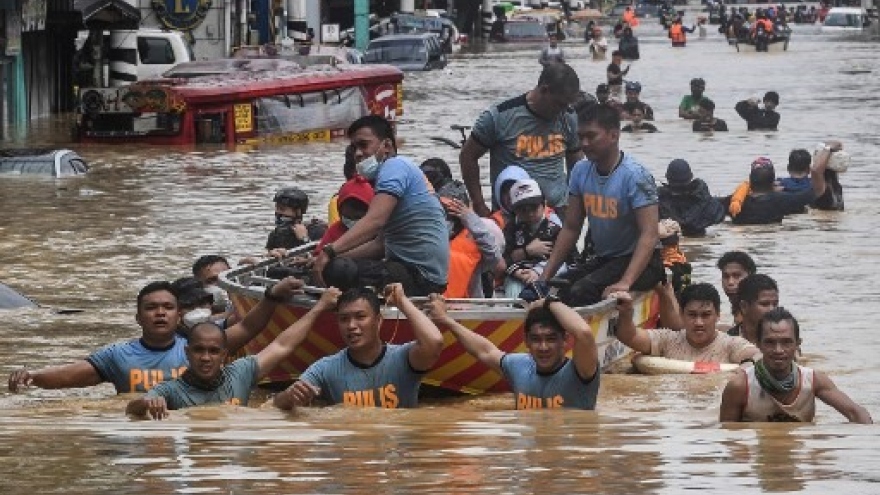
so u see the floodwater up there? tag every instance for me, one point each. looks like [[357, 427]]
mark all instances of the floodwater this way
[[146, 213]]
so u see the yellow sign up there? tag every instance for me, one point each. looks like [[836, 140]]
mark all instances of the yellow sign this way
[[399, 99], [244, 117]]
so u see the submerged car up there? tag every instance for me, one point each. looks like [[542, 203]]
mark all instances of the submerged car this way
[[45, 162], [407, 52]]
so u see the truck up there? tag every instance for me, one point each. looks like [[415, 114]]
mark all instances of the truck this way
[[132, 55]]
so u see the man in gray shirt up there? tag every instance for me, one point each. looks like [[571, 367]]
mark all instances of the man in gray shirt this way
[[536, 131], [208, 381]]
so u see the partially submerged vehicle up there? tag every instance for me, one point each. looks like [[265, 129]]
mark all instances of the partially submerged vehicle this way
[[55, 163], [407, 52], [843, 19], [499, 320], [240, 101], [523, 30]]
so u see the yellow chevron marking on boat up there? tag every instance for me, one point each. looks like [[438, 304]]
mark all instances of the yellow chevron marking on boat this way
[[465, 360]]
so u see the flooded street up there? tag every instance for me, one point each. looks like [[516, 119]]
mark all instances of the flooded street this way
[[146, 213]]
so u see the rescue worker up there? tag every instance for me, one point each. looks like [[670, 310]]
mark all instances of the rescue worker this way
[[678, 33]]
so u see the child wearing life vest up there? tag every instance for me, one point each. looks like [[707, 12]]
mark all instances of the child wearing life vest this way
[[673, 259], [529, 239]]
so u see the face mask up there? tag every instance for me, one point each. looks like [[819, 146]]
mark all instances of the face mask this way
[[221, 297], [348, 222], [368, 168], [196, 316], [284, 221]]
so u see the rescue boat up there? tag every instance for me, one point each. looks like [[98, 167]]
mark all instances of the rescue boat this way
[[499, 320]]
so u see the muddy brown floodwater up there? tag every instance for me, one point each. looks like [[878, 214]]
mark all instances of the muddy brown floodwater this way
[[145, 213]]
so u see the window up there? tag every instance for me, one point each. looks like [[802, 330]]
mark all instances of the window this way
[[155, 51]]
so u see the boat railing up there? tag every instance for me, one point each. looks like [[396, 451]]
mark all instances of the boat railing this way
[[252, 280]]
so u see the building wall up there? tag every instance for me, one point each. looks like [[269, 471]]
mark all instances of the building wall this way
[[208, 36]]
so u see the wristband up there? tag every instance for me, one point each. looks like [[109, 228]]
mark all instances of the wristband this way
[[329, 251], [550, 300], [267, 295]]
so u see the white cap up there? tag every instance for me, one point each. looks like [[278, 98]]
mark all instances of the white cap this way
[[526, 191]]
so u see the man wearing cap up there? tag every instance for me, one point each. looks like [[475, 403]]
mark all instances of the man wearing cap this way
[[759, 203], [618, 196], [689, 108], [687, 200], [706, 122], [757, 118], [536, 130], [633, 90]]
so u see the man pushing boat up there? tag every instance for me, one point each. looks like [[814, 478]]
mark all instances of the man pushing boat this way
[[158, 355]]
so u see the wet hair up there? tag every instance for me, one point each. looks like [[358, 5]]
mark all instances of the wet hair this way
[[772, 96], [191, 293], [616, 53], [698, 81], [752, 286], [380, 126], [605, 115], [777, 315], [740, 258], [799, 161], [155, 287], [762, 178], [700, 292], [707, 104], [207, 324], [357, 293], [541, 316], [560, 78], [206, 261]]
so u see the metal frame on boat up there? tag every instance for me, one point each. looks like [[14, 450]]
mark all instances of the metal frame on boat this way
[[496, 319], [778, 45]]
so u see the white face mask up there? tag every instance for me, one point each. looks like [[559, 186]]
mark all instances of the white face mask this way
[[368, 168], [221, 297], [196, 316]]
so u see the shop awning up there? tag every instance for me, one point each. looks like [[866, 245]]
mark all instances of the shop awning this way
[[108, 14]]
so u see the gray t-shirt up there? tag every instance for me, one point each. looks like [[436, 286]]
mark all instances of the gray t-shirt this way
[[236, 381], [416, 231], [534, 390], [390, 382], [516, 136]]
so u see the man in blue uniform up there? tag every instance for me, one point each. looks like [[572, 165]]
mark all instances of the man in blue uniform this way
[[543, 377], [208, 381], [158, 355], [369, 372]]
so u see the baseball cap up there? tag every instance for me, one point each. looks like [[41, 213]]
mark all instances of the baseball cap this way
[[678, 173], [526, 192], [356, 188]]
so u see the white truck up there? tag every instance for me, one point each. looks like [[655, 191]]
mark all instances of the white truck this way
[[130, 56]]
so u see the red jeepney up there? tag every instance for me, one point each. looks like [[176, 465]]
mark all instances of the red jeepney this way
[[240, 101]]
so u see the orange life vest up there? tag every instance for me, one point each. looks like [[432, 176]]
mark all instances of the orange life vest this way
[[677, 33], [630, 18], [464, 256]]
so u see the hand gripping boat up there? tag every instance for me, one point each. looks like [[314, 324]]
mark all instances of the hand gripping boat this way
[[496, 319]]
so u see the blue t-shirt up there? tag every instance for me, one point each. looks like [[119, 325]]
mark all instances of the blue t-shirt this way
[[390, 383], [795, 184], [564, 388], [134, 367], [416, 231], [514, 135], [611, 203], [235, 384]]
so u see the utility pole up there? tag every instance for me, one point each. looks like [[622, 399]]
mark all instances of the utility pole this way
[[361, 24]]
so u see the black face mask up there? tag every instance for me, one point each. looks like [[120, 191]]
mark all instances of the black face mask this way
[[285, 221]]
